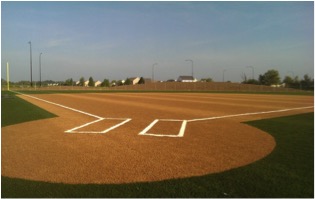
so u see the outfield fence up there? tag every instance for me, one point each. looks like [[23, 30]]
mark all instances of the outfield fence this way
[[173, 86]]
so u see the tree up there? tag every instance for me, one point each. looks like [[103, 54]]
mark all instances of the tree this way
[[69, 82], [207, 80], [113, 83], [244, 78], [91, 82], [120, 83], [82, 80], [105, 83], [141, 81], [296, 83], [269, 78], [252, 81], [128, 82], [261, 79], [288, 81], [307, 83]]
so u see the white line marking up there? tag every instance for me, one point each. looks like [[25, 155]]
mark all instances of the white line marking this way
[[246, 114], [117, 125], [171, 120], [78, 127], [144, 132], [148, 127], [161, 135], [85, 113], [83, 132], [66, 107], [182, 129], [183, 126], [180, 134]]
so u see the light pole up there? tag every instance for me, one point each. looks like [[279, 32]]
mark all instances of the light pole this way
[[31, 62], [40, 69], [153, 71], [223, 75], [253, 75], [192, 66]]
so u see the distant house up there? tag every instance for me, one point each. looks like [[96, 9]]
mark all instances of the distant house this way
[[97, 83], [278, 85], [77, 83], [134, 80], [186, 79], [86, 83]]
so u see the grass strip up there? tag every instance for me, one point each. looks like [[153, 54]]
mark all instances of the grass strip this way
[[15, 110], [288, 172]]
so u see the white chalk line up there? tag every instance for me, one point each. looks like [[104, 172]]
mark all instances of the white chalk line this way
[[145, 131], [183, 127], [246, 114], [66, 107], [73, 130], [180, 133], [116, 126], [84, 125]]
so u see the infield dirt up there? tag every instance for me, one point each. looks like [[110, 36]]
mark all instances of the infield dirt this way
[[41, 150]]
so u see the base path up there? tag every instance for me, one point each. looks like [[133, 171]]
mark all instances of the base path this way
[[104, 146]]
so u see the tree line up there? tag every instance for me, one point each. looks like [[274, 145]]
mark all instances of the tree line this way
[[105, 83], [269, 78], [272, 77]]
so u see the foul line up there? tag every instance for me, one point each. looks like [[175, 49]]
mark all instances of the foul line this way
[[82, 112], [246, 114], [66, 107], [144, 131], [183, 127]]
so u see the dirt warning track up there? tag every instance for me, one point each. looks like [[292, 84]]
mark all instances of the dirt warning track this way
[[133, 137]]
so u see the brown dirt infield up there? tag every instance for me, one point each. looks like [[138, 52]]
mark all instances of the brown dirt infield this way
[[41, 150]]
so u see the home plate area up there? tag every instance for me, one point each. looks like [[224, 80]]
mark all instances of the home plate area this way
[[158, 128], [101, 125], [165, 128]]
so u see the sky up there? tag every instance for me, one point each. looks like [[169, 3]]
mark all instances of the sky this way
[[117, 40]]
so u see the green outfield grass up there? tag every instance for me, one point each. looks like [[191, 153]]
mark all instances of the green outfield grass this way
[[288, 172]]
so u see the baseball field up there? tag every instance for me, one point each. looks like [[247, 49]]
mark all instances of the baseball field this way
[[100, 139]]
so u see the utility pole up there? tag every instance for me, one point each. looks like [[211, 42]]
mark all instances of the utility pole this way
[[223, 75], [192, 66], [153, 71], [253, 75], [31, 62]]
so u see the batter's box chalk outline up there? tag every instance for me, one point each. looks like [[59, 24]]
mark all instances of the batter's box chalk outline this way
[[75, 129], [180, 133]]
